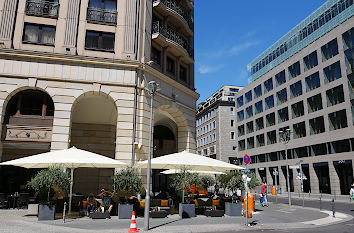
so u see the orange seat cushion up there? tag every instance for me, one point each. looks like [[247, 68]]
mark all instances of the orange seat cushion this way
[[196, 203], [216, 202], [164, 203], [142, 204], [84, 204]]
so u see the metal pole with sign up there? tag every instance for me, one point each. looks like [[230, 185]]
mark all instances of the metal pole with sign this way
[[246, 160], [275, 173]]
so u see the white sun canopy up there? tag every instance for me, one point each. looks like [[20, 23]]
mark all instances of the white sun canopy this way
[[174, 171], [188, 161]]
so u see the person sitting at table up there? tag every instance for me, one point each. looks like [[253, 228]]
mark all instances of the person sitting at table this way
[[91, 203], [106, 197]]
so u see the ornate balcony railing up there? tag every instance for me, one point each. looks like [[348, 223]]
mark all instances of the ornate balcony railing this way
[[102, 15], [173, 5], [42, 8], [170, 34]]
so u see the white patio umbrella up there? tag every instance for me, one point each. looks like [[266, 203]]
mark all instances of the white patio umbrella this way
[[174, 171], [69, 158], [189, 161]]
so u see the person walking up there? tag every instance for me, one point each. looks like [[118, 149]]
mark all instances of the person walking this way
[[264, 193], [351, 193]]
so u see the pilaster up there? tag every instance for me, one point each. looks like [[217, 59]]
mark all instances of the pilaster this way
[[314, 184]]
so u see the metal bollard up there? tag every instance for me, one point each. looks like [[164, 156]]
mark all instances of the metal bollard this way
[[333, 208], [64, 210]]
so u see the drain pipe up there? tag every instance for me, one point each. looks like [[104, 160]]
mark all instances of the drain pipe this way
[[137, 15]]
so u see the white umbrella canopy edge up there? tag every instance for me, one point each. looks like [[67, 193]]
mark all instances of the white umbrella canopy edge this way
[[174, 171], [188, 161], [68, 158]]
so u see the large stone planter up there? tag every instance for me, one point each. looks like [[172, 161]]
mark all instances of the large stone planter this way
[[32, 210], [46, 212], [125, 211], [233, 209], [186, 210]]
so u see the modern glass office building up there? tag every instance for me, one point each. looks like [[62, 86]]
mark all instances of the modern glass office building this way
[[303, 84]]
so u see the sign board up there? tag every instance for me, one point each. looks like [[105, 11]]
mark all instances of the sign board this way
[[246, 171], [294, 167], [275, 172], [246, 159]]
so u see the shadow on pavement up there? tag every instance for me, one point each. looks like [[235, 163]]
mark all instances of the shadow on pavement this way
[[163, 224]]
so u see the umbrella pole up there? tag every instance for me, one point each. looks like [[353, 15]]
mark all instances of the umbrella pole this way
[[71, 188]]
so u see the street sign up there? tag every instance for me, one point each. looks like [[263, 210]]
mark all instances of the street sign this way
[[275, 172], [294, 167], [246, 159], [246, 171]]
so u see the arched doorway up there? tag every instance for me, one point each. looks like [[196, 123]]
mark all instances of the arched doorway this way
[[93, 128], [27, 129]]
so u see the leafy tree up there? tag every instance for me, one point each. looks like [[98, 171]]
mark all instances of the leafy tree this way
[[53, 178], [128, 180], [207, 181], [254, 180], [184, 179]]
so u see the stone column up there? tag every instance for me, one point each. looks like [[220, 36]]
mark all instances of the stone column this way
[[269, 176], [314, 183], [164, 59], [334, 179], [282, 181], [7, 20]]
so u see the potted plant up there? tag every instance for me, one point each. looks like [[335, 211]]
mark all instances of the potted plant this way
[[126, 182], [49, 183], [207, 181], [181, 181], [232, 180]]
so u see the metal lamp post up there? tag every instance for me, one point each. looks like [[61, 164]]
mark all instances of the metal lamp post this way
[[152, 88], [285, 138], [302, 182]]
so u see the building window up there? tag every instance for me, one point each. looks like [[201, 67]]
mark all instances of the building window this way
[[282, 96], [170, 65], [317, 125], [232, 135], [260, 140], [337, 120], [280, 78], [232, 123], [249, 112], [214, 125], [312, 81], [294, 70], [199, 152], [348, 45], [329, 50], [205, 151], [269, 102], [258, 107], [233, 90], [234, 148], [183, 73], [271, 137], [270, 119], [258, 91], [231, 111], [240, 116], [99, 41], [250, 143], [332, 72], [283, 115], [335, 96], [38, 34], [241, 130], [249, 127], [48, 8], [268, 85], [310, 61], [240, 101], [314, 103], [248, 97], [297, 109], [156, 55], [299, 130], [259, 123], [103, 11], [211, 149], [241, 145], [296, 89]]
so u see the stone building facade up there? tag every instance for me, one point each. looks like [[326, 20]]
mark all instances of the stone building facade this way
[[73, 73]]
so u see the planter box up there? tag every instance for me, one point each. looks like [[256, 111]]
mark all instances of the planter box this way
[[32, 210], [125, 211], [186, 210], [46, 212], [233, 209], [99, 215]]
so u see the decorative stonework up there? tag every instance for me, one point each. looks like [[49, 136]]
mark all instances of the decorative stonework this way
[[28, 134]]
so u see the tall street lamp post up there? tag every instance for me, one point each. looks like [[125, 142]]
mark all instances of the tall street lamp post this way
[[302, 181], [152, 88], [285, 138]]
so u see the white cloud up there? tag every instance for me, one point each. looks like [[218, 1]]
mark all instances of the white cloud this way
[[236, 49], [204, 69]]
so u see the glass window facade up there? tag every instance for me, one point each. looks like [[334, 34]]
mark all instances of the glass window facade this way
[[297, 109], [310, 61], [258, 91], [249, 112], [314, 103], [337, 120], [270, 119], [296, 89], [348, 46], [240, 115], [283, 115], [329, 50], [99, 41], [248, 97], [280, 78], [332, 72], [294, 70], [269, 102], [312, 81], [335, 96], [258, 107], [268, 85], [282, 96], [317, 125], [240, 101], [38, 34]]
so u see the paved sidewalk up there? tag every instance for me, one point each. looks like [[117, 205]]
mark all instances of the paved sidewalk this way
[[277, 216]]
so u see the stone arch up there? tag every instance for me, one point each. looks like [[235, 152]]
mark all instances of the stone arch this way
[[93, 128]]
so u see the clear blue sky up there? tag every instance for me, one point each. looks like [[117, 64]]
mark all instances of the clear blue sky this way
[[229, 34]]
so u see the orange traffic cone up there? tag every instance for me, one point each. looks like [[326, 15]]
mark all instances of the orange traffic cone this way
[[133, 224]]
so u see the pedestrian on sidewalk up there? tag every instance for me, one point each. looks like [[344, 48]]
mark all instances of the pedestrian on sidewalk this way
[[351, 193], [264, 193]]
